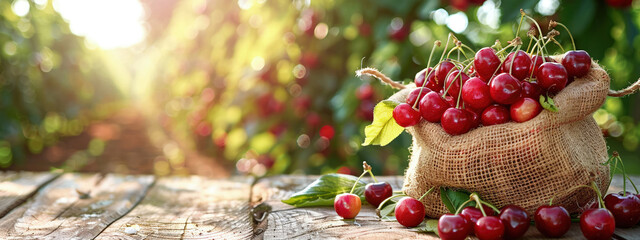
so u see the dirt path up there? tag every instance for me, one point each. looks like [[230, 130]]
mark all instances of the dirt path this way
[[122, 144]]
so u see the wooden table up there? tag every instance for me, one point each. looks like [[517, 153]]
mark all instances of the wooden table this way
[[88, 206]]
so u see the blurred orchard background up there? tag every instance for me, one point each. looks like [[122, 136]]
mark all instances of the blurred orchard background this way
[[259, 87]]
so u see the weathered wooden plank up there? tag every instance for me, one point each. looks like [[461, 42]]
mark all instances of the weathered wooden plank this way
[[286, 222], [189, 208], [75, 206], [16, 187]]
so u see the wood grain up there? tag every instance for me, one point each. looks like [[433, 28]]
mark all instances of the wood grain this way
[[75, 206], [189, 208], [17, 187]]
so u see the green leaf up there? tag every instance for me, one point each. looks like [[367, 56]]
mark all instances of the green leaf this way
[[547, 103], [453, 199], [387, 212], [428, 226], [384, 128], [322, 191]]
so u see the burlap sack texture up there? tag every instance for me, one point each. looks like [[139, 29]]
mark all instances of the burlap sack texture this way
[[517, 163]]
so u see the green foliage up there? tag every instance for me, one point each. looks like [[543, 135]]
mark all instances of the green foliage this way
[[323, 191], [50, 84], [384, 128]]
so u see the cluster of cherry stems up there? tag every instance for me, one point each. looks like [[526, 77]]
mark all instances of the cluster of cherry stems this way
[[485, 90], [598, 220]]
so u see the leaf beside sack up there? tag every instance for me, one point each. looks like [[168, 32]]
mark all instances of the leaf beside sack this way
[[323, 191], [384, 128]]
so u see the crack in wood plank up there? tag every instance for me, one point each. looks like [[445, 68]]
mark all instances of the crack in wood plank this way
[[17, 187]]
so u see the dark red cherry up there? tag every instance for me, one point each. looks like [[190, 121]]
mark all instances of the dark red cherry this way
[[531, 90], [536, 61], [456, 121], [453, 227], [552, 77], [475, 117], [375, 193], [347, 205], [455, 80], [515, 220], [486, 63], [625, 209], [505, 89], [432, 106], [472, 214], [552, 221], [405, 115], [525, 109], [518, 66], [475, 93], [489, 228], [409, 212], [413, 95], [597, 224], [577, 63], [495, 114], [443, 70], [421, 76]]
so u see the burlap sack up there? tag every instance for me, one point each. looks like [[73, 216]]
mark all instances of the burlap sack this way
[[517, 163]]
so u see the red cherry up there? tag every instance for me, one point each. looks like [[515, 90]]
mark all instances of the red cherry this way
[[375, 193], [552, 221], [505, 89], [495, 114], [475, 93], [521, 65], [489, 228], [327, 131], [431, 79], [577, 63], [413, 95], [421, 76], [405, 115], [432, 106], [453, 82], [536, 61], [453, 227], [486, 63], [475, 118], [347, 205], [364, 92], [456, 121], [531, 90], [597, 224], [622, 4], [525, 109], [472, 214], [443, 70], [515, 220], [625, 209], [409, 212], [552, 77]]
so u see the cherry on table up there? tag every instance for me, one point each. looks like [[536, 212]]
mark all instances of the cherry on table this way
[[472, 214], [454, 82], [597, 224], [456, 121], [409, 212], [577, 63], [515, 220], [375, 193], [521, 64], [347, 205], [405, 115], [413, 95], [486, 62], [552, 221], [495, 114], [552, 77], [625, 209], [475, 93], [489, 228], [525, 109], [505, 89], [432, 106], [453, 227]]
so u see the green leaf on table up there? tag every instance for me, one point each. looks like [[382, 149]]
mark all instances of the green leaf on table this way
[[453, 199], [322, 191], [547, 103], [384, 128], [387, 212], [427, 226]]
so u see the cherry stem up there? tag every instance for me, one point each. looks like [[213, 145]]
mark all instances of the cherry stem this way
[[462, 206], [513, 59], [537, 25], [389, 199], [565, 28], [425, 194], [478, 203], [426, 76], [357, 181], [491, 206], [529, 46], [446, 46], [522, 14], [625, 177], [595, 188], [374, 177]]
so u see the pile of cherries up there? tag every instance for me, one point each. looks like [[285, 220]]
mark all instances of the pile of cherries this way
[[489, 90]]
